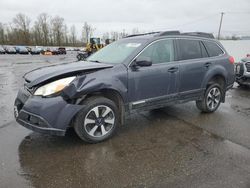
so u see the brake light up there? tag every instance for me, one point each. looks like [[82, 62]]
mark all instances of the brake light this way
[[248, 55], [231, 60]]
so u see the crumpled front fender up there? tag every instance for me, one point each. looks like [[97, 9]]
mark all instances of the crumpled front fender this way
[[115, 79]]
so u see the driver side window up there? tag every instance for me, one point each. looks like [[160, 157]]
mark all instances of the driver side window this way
[[159, 52]]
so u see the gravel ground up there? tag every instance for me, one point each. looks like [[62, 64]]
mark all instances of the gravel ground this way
[[172, 147]]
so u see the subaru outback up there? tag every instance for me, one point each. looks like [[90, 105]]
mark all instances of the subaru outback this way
[[138, 72]]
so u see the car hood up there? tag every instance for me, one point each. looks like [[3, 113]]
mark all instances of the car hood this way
[[49, 73]]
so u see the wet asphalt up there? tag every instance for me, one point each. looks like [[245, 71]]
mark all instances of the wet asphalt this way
[[176, 146]]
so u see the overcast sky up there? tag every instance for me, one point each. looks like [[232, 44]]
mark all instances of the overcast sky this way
[[146, 15]]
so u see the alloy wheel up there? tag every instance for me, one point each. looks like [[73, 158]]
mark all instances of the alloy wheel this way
[[213, 98], [99, 121]]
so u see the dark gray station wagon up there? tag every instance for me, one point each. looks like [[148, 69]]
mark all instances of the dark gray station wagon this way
[[139, 72]]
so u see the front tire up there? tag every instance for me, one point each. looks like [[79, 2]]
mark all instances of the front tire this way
[[211, 100], [97, 121], [79, 58]]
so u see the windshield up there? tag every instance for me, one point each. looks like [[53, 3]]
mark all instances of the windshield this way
[[116, 52]]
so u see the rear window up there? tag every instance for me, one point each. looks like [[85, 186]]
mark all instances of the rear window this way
[[189, 49], [213, 49]]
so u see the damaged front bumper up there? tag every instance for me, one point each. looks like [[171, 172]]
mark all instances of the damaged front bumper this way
[[45, 115]]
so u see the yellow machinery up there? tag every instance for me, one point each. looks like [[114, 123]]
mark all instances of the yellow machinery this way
[[93, 46]]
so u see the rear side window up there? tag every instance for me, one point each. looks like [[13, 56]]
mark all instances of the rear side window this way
[[203, 50], [189, 49], [213, 49]]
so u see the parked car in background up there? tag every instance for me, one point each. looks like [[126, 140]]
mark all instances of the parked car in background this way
[[62, 50], [54, 51], [46, 51], [2, 50], [28, 48], [242, 71], [10, 50], [77, 49], [139, 72], [35, 51], [69, 49], [21, 50]]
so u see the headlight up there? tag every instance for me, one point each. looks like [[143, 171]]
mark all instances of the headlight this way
[[54, 87]]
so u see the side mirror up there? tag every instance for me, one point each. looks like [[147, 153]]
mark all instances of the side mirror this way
[[143, 62]]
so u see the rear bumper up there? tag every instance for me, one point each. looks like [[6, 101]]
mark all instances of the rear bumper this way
[[230, 86], [45, 115]]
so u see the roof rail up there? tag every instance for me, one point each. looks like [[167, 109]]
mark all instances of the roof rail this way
[[199, 34], [164, 33], [151, 33]]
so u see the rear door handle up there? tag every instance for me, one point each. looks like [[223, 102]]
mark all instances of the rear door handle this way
[[207, 64], [173, 69]]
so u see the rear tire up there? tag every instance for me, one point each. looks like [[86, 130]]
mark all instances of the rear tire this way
[[211, 100], [97, 121]]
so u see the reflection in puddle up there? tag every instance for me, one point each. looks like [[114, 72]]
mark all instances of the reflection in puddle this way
[[149, 148]]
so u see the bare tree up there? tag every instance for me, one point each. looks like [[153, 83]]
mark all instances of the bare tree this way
[[43, 21], [73, 38], [114, 35], [50, 31], [105, 36], [37, 37], [57, 25], [135, 31], [22, 26], [87, 32], [65, 35], [122, 34], [2, 34]]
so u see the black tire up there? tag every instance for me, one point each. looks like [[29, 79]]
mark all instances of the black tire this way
[[84, 129], [78, 57], [204, 104]]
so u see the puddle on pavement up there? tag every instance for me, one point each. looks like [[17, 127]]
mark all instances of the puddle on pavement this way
[[150, 146]]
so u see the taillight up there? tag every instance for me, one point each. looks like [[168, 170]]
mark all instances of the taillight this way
[[231, 60], [248, 55]]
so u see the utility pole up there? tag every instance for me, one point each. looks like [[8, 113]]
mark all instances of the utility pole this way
[[221, 19]]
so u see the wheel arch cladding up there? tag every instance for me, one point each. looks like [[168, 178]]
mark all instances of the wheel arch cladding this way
[[100, 83], [218, 72], [114, 96], [217, 75]]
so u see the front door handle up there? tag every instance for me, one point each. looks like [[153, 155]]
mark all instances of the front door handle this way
[[173, 69], [207, 64]]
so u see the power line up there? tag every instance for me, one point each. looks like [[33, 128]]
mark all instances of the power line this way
[[211, 16], [195, 21], [238, 12]]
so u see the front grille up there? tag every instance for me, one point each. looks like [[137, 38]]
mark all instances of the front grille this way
[[239, 69], [248, 66]]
